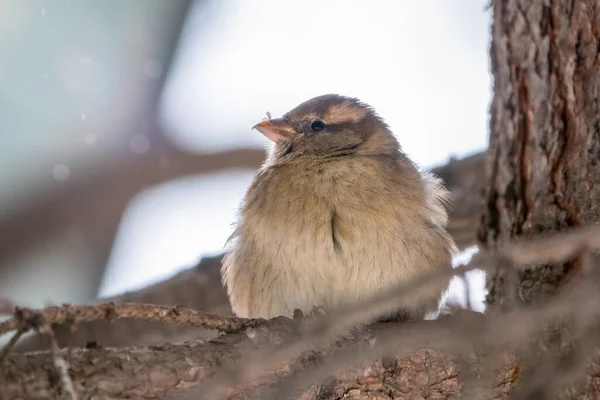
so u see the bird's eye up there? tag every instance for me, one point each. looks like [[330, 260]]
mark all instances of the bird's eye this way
[[317, 126]]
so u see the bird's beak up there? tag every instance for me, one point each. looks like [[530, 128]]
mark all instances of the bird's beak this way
[[275, 129]]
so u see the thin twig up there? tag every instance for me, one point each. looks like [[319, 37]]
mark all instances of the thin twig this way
[[9, 346], [61, 366], [69, 314]]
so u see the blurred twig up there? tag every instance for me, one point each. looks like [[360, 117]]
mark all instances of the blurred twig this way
[[11, 343], [60, 365], [459, 334], [107, 189], [554, 249]]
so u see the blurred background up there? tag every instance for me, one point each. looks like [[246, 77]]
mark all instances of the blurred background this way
[[125, 140]]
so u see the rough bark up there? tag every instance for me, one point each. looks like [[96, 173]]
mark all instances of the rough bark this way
[[174, 369], [149, 372], [543, 161]]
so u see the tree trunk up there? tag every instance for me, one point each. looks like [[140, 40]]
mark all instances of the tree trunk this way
[[543, 161]]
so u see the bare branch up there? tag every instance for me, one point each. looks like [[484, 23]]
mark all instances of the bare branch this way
[[27, 319], [457, 334], [61, 366], [133, 372], [107, 190], [198, 288], [265, 353], [9, 346]]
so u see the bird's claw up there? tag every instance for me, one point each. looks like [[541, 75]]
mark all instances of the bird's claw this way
[[315, 313]]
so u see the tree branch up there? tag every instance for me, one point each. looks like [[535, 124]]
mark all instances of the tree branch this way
[[257, 360], [171, 369], [26, 319], [197, 288], [107, 192]]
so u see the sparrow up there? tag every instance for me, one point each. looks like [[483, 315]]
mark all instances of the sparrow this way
[[336, 214]]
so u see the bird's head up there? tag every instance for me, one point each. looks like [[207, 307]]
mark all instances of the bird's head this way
[[328, 126]]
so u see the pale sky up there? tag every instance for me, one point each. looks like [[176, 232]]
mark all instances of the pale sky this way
[[423, 65]]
